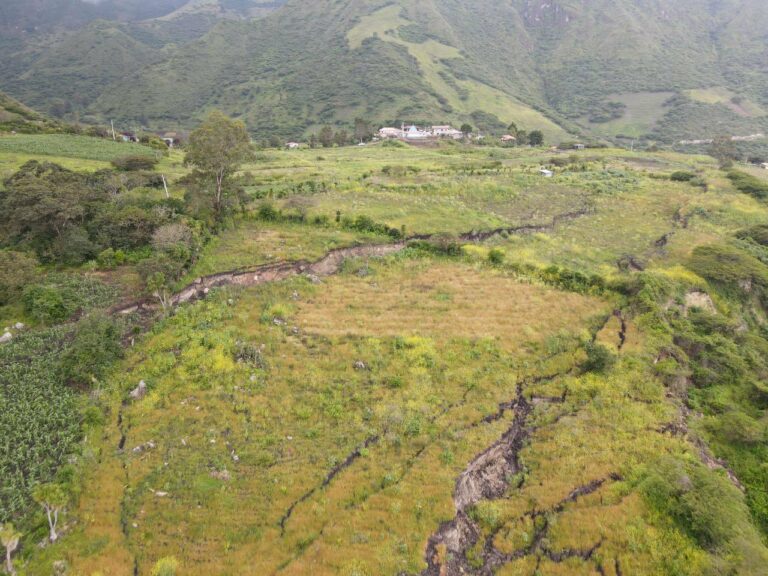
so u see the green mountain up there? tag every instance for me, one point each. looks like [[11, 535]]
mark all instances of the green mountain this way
[[610, 68], [15, 116]]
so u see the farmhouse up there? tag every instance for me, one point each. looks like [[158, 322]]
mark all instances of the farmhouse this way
[[413, 132], [447, 132], [171, 139], [387, 133]]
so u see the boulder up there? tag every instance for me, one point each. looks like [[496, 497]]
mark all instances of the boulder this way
[[19, 326], [7, 337], [140, 391], [360, 365]]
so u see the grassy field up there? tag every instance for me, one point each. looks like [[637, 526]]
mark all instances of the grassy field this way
[[722, 95], [68, 146], [643, 110], [530, 387]]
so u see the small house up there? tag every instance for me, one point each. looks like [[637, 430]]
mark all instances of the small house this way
[[129, 137], [508, 139], [293, 145], [172, 139], [546, 173], [447, 132], [389, 133], [579, 146]]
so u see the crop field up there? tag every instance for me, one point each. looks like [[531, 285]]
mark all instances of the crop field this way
[[67, 146], [502, 374]]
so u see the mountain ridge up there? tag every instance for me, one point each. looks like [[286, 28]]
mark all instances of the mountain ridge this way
[[571, 68]]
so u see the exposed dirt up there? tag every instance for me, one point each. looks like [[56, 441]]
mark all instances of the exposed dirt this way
[[329, 264], [480, 236], [623, 330]]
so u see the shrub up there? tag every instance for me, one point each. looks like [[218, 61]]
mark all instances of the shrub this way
[[74, 247], [46, 304], [682, 176], [749, 184], [177, 240], [758, 234], [599, 357], [496, 256], [268, 212], [728, 265], [109, 259], [165, 567], [95, 346], [133, 163], [16, 271]]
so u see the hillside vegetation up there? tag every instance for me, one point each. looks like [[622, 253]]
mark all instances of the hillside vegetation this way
[[385, 360], [633, 68]]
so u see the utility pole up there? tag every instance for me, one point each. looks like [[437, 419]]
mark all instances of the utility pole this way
[[165, 186], [112, 123]]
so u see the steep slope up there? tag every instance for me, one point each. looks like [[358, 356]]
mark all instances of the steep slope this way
[[640, 68], [15, 116]]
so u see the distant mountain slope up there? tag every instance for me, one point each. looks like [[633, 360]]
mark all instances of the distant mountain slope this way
[[634, 68], [15, 116]]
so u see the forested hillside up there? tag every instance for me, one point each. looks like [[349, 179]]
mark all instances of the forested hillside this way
[[629, 68]]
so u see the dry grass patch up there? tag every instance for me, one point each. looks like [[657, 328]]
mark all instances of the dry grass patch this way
[[444, 300]]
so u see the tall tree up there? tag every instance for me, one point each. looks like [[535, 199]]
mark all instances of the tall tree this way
[[326, 137], [724, 151], [9, 537], [53, 500], [536, 138], [217, 149], [466, 129], [363, 131]]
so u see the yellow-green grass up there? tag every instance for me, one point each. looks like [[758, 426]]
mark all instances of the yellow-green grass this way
[[643, 110], [631, 222], [10, 162], [761, 173], [418, 213], [251, 243], [291, 422], [722, 95], [70, 146]]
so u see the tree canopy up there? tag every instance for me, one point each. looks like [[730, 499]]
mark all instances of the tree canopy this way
[[217, 149]]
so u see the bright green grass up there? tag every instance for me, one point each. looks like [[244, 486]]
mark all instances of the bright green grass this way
[[68, 146], [722, 95], [643, 111]]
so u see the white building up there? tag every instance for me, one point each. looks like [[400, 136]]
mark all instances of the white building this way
[[416, 133], [293, 145], [447, 132], [546, 173], [391, 133]]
